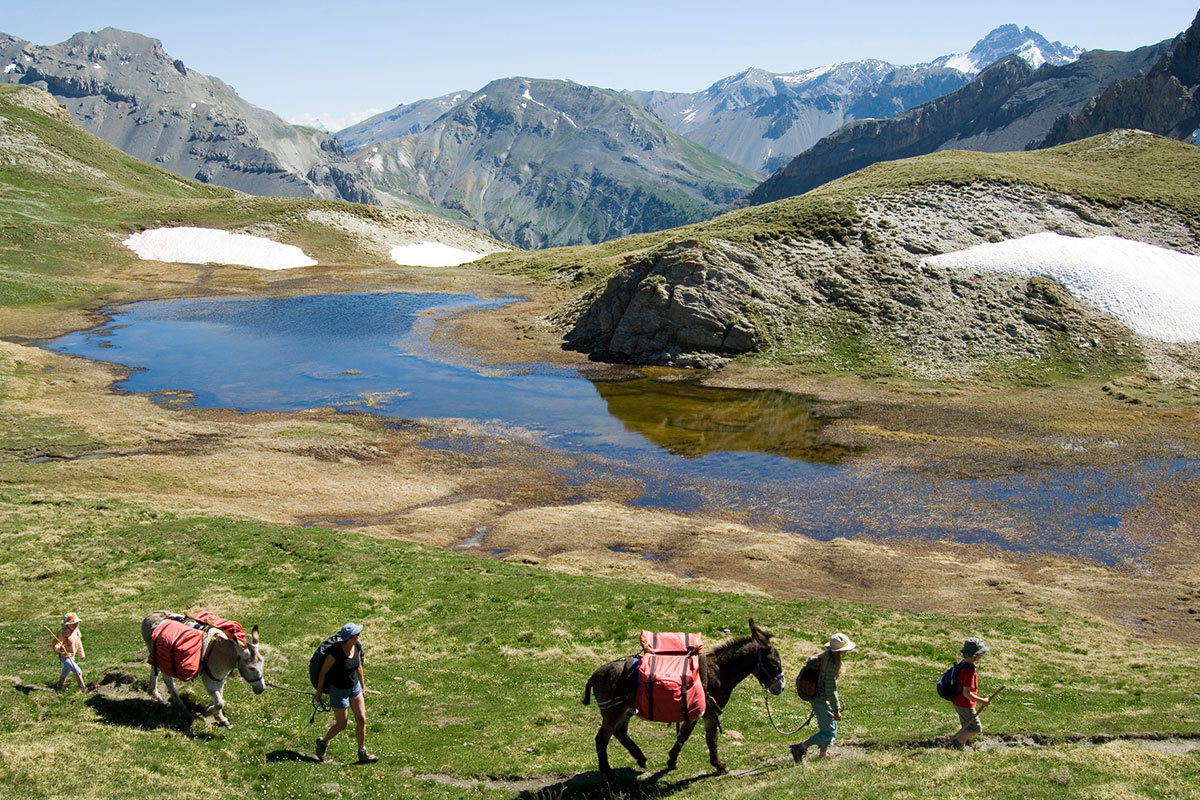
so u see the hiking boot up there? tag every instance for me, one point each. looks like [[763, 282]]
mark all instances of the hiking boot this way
[[798, 751], [366, 758], [322, 746]]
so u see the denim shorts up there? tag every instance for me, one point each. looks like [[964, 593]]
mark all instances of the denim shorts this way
[[340, 698]]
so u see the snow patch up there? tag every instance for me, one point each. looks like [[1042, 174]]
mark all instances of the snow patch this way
[[690, 117], [1155, 291], [208, 245], [432, 254], [803, 76], [963, 63], [9, 68]]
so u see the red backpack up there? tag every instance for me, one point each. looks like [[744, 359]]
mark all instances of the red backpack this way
[[669, 687]]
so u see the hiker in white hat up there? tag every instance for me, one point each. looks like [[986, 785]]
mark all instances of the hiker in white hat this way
[[67, 645], [826, 704]]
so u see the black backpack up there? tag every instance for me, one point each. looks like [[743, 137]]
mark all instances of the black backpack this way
[[947, 685], [809, 678], [318, 659]]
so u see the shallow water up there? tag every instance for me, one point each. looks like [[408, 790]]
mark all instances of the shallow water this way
[[750, 455]]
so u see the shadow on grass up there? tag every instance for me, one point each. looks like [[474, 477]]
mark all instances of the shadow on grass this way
[[143, 713], [626, 784], [291, 755]]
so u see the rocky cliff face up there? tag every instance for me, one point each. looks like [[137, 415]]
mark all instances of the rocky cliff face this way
[[1005, 108], [1164, 101], [867, 303], [762, 119], [125, 89], [542, 163]]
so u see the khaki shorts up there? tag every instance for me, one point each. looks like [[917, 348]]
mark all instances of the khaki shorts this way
[[969, 719]]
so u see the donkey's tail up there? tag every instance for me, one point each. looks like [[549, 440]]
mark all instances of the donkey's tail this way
[[587, 692]]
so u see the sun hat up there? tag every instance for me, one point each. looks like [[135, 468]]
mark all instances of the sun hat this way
[[70, 618], [974, 647], [349, 629], [840, 643]]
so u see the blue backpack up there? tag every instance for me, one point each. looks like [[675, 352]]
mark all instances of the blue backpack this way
[[947, 685]]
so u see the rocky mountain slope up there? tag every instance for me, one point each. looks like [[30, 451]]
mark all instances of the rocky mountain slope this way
[[125, 89], [833, 280], [541, 163], [1006, 107], [762, 119], [399, 121], [1164, 101]]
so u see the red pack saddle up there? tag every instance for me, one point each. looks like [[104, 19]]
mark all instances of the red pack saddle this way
[[176, 649], [178, 642], [669, 687]]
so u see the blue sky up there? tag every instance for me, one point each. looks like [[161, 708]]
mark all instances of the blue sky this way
[[338, 61]]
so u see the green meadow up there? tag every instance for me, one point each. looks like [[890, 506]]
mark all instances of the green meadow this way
[[475, 669]]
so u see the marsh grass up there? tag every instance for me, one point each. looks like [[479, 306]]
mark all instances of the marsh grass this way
[[479, 666]]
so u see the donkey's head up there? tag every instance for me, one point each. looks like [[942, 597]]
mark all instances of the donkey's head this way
[[250, 663], [769, 669]]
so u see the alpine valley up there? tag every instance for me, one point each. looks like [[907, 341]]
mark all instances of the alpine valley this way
[[509, 374]]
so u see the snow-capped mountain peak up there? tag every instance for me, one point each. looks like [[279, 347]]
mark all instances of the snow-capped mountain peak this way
[[1006, 40]]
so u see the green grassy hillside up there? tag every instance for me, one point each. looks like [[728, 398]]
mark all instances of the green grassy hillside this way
[[476, 670], [70, 198], [1137, 168]]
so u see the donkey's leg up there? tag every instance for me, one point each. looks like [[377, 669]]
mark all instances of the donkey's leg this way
[[711, 726], [685, 730], [170, 682], [154, 695], [622, 734], [218, 702]]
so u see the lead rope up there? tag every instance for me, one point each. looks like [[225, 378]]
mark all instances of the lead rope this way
[[318, 706], [771, 718]]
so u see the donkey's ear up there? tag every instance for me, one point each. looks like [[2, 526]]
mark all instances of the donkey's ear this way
[[254, 635], [758, 633]]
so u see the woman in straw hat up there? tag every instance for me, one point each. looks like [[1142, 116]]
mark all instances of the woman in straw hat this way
[[67, 645], [826, 704]]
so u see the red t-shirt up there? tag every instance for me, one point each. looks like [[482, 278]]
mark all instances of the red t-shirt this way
[[968, 678]]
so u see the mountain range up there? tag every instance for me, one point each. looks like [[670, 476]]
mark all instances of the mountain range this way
[[762, 119], [1008, 106], [541, 163]]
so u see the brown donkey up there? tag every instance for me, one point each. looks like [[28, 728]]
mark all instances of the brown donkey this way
[[615, 686]]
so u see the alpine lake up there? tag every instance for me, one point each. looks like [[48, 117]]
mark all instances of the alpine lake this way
[[753, 456]]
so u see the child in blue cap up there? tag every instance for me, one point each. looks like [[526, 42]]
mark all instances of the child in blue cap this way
[[342, 676]]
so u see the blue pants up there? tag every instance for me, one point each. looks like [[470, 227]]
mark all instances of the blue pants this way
[[69, 667], [826, 733]]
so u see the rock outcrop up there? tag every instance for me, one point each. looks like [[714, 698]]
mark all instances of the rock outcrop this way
[[868, 305]]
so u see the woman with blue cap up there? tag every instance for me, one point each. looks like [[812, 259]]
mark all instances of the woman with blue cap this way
[[342, 673]]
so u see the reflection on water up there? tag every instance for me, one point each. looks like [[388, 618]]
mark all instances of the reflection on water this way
[[754, 456], [691, 420]]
